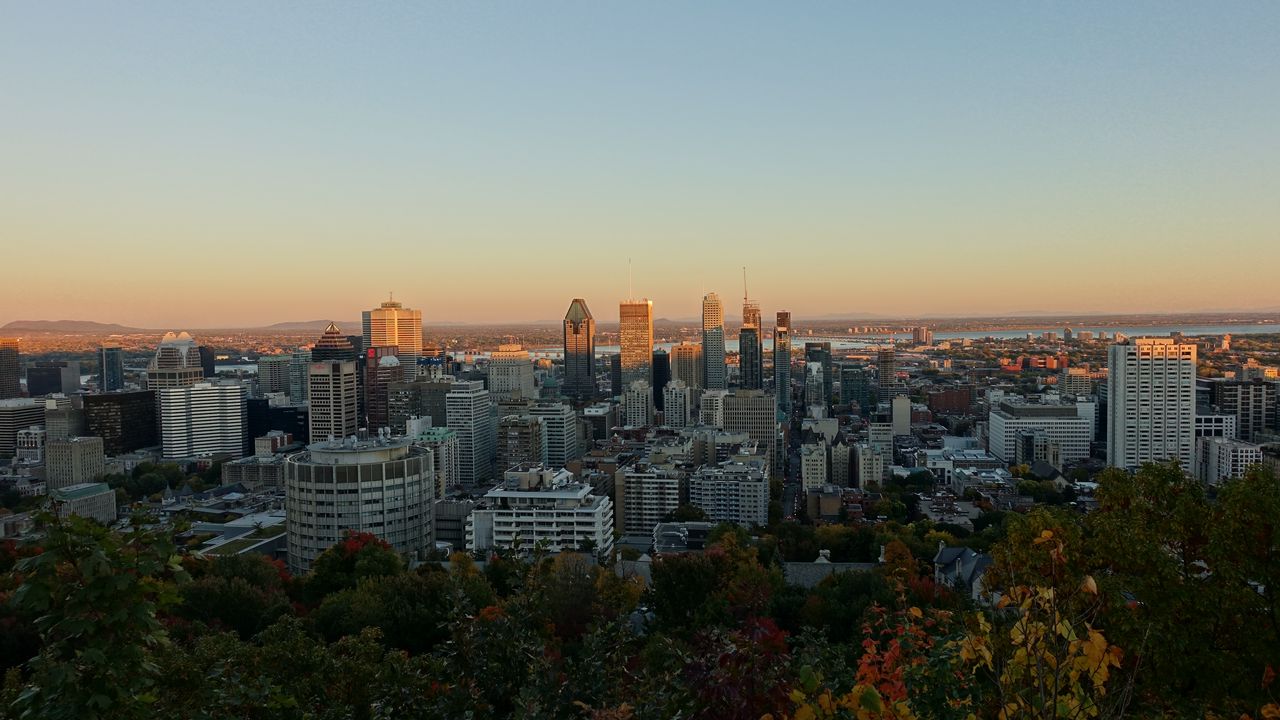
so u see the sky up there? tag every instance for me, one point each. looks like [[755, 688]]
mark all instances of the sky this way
[[195, 165]]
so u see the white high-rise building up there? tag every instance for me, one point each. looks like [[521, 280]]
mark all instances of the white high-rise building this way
[[273, 374], [331, 385], [687, 366], [561, 425], [637, 404], [176, 363], [394, 324], [470, 414], [202, 419], [714, 374], [1151, 402], [677, 404], [813, 466], [511, 374], [643, 496], [900, 415], [868, 465], [74, 461], [443, 444]]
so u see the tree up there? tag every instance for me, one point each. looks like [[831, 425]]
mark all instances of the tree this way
[[96, 595], [358, 555]]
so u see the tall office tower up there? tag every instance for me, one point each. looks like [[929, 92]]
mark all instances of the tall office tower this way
[[208, 362], [126, 421], [519, 442], [686, 364], [49, 377], [820, 352], [677, 404], [10, 368], [887, 373], [64, 417], [814, 386], [273, 374], [750, 343], [511, 374], [333, 389], [381, 368], [383, 486], [470, 415], [782, 361], [176, 363], [1253, 403], [753, 412], [202, 419], [299, 376], [715, 376], [74, 461], [635, 336], [394, 324], [637, 405], [615, 375], [1151, 402], [579, 352], [110, 368], [561, 425], [661, 375]]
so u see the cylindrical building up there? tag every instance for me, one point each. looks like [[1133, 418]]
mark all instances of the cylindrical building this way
[[384, 486]]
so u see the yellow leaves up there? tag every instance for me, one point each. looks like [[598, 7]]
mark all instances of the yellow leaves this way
[[1045, 536], [1271, 711], [1089, 585], [916, 613]]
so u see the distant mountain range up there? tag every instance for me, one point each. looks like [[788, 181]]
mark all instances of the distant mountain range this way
[[71, 326]]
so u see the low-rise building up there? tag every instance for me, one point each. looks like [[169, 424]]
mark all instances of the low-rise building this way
[[96, 501], [732, 491], [536, 507]]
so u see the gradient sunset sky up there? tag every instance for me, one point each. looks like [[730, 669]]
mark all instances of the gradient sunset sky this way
[[183, 164]]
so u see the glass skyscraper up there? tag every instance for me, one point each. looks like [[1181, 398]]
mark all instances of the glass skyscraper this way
[[635, 337], [579, 351], [110, 368], [782, 360], [713, 342]]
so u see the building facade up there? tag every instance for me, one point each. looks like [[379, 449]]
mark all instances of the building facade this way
[[579, 352], [1151, 402]]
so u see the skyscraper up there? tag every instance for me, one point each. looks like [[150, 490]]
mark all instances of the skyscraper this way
[[332, 387], [782, 360], [10, 368], [635, 336], [820, 352], [381, 368], [750, 343], [661, 375], [202, 419], [887, 373], [1151, 402], [333, 345], [110, 368], [715, 375], [394, 324], [579, 352], [686, 364], [468, 408], [511, 374], [753, 412], [176, 363]]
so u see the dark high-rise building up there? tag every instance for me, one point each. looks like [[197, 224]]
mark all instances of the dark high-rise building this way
[[110, 368], [615, 374], [262, 418], [782, 361], [53, 376], [750, 358], [820, 352], [421, 398], [208, 364], [10, 369], [381, 368], [855, 386], [661, 375], [126, 421], [579, 352]]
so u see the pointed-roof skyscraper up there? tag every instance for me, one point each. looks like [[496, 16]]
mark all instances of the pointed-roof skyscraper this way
[[579, 351], [333, 345]]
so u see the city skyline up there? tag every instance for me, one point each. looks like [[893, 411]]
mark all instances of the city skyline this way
[[896, 153]]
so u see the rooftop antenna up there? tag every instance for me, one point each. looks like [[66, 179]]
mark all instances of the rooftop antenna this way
[[631, 295], [744, 285]]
